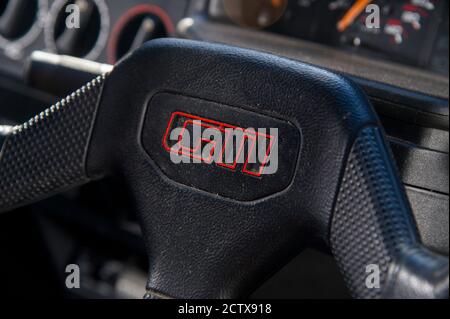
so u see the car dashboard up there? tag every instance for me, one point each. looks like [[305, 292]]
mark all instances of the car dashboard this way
[[401, 63], [408, 32]]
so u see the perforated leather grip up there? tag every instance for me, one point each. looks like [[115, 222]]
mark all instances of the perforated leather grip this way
[[47, 154], [372, 227]]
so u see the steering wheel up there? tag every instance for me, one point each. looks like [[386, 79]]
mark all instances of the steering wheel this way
[[218, 229]]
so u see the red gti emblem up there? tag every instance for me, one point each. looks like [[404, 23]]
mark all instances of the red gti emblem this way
[[204, 140]]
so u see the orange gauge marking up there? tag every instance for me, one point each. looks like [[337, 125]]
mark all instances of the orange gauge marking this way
[[352, 14]]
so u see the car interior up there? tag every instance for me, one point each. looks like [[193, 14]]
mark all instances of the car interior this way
[[358, 92]]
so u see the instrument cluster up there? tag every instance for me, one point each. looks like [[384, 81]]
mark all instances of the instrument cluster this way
[[99, 30], [413, 32]]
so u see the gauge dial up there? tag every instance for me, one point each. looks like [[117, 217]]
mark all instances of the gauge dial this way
[[255, 13], [403, 29], [88, 39], [139, 24], [21, 22]]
